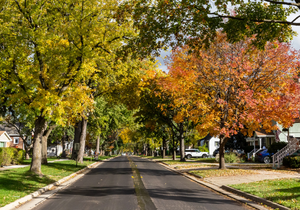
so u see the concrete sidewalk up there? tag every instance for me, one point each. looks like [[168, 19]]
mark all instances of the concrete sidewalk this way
[[12, 167]]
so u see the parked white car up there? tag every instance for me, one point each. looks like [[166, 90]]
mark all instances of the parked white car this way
[[189, 153]]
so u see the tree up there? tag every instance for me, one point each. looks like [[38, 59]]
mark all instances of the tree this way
[[236, 87], [49, 51], [107, 122], [61, 134], [166, 23], [156, 109], [20, 119]]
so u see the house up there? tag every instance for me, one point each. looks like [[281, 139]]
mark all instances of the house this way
[[212, 143], [293, 131], [57, 149], [16, 138], [261, 138], [4, 139]]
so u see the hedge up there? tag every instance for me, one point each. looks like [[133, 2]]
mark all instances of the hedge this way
[[9, 155], [291, 161]]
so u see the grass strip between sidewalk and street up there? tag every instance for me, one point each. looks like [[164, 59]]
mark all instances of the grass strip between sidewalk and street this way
[[225, 172], [19, 182], [283, 191]]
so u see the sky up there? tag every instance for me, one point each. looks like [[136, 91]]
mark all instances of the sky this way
[[295, 43]]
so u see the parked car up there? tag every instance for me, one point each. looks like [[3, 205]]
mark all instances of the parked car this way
[[264, 156], [189, 153]]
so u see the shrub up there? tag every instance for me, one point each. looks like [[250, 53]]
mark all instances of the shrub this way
[[228, 157], [10, 155], [19, 156], [292, 161], [203, 148], [276, 146]]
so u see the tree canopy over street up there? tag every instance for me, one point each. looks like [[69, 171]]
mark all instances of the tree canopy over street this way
[[86, 70]]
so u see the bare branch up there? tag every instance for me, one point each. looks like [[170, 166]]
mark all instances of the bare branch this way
[[259, 20], [284, 3]]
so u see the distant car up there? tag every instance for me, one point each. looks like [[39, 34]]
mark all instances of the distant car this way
[[189, 153], [263, 156]]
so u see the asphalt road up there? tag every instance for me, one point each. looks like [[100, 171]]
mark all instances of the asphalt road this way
[[136, 184]]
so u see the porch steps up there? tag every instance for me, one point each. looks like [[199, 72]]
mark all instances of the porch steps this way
[[290, 148]]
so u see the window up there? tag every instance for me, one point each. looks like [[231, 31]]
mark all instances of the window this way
[[2, 144], [16, 140]]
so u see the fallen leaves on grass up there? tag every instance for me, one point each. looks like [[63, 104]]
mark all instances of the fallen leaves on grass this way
[[225, 172]]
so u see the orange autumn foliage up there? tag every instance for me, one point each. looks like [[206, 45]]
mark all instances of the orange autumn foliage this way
[[235, 87]]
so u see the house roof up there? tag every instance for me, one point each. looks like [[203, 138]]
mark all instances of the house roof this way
[[297, 120], [263, 133], [8, 128], [207, 138], [4, 137]]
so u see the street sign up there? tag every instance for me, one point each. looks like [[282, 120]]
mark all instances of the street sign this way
[[76, 146]]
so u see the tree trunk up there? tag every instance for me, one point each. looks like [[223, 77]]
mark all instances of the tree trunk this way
[[82, 140], [146, 151], [40, 125], [174, 153], [63, 144], [76, 137], [174, 147], [181, 140], [164, 148], [44, 143], [97, 145], [27, 150], [27, 157], [223, 141]]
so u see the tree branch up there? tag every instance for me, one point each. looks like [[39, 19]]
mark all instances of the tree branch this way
[[284, 3], [259, 20]]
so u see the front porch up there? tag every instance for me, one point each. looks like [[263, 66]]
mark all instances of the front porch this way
[[260, 140]]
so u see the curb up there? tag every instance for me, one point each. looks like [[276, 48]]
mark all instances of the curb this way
[[19, 202], [255, 198], [219, 189]]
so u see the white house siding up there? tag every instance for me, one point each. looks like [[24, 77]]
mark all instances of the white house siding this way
[[213, 143], [293, 131], [4, 139]]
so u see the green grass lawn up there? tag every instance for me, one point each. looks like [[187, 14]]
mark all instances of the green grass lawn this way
[[282, 191], [17, 183]]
